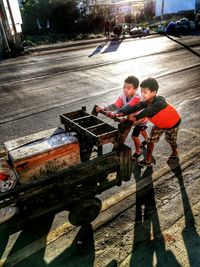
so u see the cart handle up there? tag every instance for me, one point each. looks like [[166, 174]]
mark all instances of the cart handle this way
[[105, 113]]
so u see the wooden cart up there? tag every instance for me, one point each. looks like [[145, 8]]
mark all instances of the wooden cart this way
[[74, 189]]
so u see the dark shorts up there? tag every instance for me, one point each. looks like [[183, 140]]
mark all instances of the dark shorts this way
[[170, 135], [137, 129]]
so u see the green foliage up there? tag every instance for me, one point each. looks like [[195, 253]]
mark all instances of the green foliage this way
[[63, 16], [33, 40], [60, 14]]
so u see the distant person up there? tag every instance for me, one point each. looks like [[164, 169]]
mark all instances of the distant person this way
[[118, 30], [163, 115], [107, 27], [130, 97], [197, 19]]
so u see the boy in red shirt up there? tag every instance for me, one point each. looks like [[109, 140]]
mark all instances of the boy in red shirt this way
[[164, 117], [130, 97]]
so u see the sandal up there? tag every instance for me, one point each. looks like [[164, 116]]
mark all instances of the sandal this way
[[143, 144], [173, 157], [143, 163], [136, 156]]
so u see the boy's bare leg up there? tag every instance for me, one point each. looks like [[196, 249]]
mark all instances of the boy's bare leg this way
[[150, 147], [136, 141], [174, 149], [144, 134]]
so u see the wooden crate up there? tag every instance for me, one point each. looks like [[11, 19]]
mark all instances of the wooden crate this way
[[89, 127], [38, 155]]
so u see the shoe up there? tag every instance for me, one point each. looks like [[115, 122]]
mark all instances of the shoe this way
[[143, 163], [136, 156], [144, 143], [7, 213], [174, 158]]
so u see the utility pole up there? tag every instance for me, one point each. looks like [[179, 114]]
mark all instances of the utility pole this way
[[162, 10]]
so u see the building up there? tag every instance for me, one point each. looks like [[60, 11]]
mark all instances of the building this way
[[133, 7], [127, 7], [10, 27]]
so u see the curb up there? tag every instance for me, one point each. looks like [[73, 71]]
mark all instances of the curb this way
[[80, 43], [103, 217]]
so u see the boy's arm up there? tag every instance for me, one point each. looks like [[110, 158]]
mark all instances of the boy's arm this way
[[115, 106], [159, 104], [127, 109]]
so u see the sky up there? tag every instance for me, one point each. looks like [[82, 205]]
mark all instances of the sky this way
[[174, 5]]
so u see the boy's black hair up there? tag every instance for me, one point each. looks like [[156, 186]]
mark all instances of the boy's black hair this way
[[132, 80], [150, 83]]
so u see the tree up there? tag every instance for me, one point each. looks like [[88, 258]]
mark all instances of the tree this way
[[61, 15], [149, 10], [96, 18]]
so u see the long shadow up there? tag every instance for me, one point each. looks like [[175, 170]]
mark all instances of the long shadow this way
[[81, 253], [113, 46], [189, 233], [148, 239], [112, 263], [98, 49], [36, 229], [4, 237], [184, 45]]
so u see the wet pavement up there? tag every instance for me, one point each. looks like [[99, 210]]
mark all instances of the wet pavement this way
[[35, 89]]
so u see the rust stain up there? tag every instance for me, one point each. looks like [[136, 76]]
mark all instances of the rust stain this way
[[169, 238]]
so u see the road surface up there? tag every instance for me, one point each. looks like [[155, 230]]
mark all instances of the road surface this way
[[35, 89]]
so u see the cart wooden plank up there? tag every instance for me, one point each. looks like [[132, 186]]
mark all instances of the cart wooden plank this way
[[54, 151], [19, 142]]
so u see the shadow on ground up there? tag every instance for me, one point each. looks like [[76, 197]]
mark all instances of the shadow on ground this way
[[113, 46], [149, 243], [80, 253], [98, 49], [182, 44], [189, 233], [148, 240]]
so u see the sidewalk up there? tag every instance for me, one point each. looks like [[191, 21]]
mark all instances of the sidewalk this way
[[69, 44], [81, 43]]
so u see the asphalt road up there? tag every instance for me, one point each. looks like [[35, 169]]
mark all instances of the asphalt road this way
[[35, 89]]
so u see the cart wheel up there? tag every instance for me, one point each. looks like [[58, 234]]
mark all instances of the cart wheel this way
[[85, 211]]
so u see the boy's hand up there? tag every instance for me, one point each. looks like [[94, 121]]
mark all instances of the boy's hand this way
[[132, 118], [122, 119], [111, 114], [99, 108], [119, 115]]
